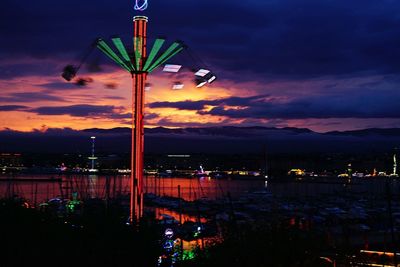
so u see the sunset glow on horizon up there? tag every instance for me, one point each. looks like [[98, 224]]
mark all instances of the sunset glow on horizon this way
[[281, 72]]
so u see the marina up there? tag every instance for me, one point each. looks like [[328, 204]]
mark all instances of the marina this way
[[353, 214]]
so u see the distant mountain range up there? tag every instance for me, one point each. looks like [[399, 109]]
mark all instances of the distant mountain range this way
[[227, 139], [221, 131], [369, 132], [245, 131]]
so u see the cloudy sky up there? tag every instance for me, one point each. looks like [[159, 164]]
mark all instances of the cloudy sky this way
[[319, 64]]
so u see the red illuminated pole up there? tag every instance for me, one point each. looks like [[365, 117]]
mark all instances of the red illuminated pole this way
[[138, 65], [139, 80]]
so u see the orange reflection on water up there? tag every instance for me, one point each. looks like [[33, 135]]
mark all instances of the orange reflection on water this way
[[198, 188], [161, 212], [200, 243], [39, 188]]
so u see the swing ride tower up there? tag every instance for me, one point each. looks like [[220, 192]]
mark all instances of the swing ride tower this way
[[139, 65]]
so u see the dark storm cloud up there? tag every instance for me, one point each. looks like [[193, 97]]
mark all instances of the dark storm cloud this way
[[201, 104], [184, 105], [304, 38], [150, 116], [292, 38], [12, 70], [169, 123], [114, 97], [92, 111], [12, 108], [78, 110], [30, 97], [118, 116], [314, 107], [367, 104], [252, 40]]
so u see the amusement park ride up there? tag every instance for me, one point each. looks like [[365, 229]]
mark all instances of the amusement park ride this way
[[139, 64]]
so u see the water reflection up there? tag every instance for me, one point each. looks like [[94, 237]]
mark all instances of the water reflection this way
[[93, 188], [197, 188], [40, 188], [164, 213]]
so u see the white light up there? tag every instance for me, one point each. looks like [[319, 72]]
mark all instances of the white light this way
[[172, 68], [202, 72], [201, 84], [168, 232], [93, 137], [212, 79], [177, 86]]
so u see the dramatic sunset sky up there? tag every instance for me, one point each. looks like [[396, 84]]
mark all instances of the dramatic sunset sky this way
[[319, 64]]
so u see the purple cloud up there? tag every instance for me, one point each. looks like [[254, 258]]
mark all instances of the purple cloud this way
[[12, 108], [29, 97], [201, 104], [78, 110]]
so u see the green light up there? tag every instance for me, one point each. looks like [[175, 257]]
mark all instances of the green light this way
[[165, 59], [111, 57], [72, 204], [151, 63], [188, 255], [138, 46], [110, 53], [170, 56], [156, 47], [121, 48], [163, 56]]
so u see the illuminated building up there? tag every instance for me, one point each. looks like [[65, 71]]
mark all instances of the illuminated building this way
[[348, 173], [10, 161], [377, 258], [296, 172]]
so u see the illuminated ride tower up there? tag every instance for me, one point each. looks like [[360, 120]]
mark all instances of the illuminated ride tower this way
[[139, 65]]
